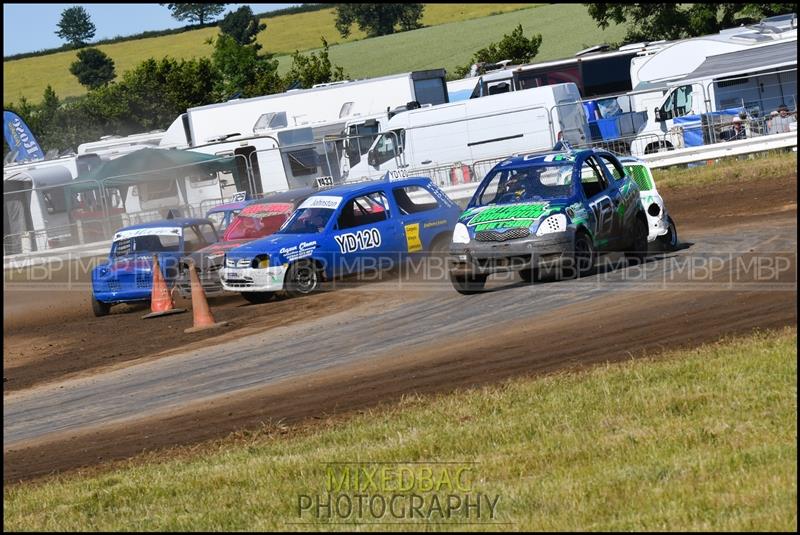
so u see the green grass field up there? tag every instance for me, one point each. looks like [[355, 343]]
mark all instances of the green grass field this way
[[284, 35], [690, 440], [453, 33]]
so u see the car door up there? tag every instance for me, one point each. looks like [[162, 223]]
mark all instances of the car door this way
[[625, 194], [366, 234], [420, 216], [603, 201]]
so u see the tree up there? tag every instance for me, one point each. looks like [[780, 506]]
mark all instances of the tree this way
[[514, 46], [75, 26], [242, 70], [93, 68], [242, 26], [313, 69], [199, 13], [378, 19], [650, 22]]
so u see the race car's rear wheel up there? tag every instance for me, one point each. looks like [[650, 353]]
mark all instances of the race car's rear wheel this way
[[257, 297], [669, 241], [302, 278], [99, 308], [468, 284], [637, 251], [585, 255]]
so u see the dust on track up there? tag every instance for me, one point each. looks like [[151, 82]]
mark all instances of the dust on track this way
[[680, 319]]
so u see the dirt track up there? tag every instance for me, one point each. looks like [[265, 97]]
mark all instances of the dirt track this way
[[631, 323]]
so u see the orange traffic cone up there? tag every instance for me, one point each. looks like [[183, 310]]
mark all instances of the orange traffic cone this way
[[202, 314], [161, 303]]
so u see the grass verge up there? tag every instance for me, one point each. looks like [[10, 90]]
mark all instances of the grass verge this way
[[692, 440], [763, 166]]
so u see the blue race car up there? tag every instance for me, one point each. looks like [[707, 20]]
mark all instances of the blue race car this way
[[127, 276], [341, 231], [552, 211]]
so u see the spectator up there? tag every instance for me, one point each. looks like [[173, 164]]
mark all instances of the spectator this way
[[781, 123], [736, 131]]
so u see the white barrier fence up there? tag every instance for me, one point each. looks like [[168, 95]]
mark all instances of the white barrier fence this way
[[475, 173]]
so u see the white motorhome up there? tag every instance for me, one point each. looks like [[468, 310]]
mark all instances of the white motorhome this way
[[110, 147], [329, 103], [476, 129], [754, 82]]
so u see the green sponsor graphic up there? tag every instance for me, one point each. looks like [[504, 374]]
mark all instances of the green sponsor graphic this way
[[502, 225], [519, 214]]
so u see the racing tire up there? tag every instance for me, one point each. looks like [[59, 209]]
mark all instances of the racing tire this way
[[468, 284], [527, 275], [99, 308], [257, 297], [302, 278], [585, 255], [638, 248], [669, 241]]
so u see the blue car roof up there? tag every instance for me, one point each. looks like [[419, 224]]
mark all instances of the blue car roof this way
[[540, 159], [359, 187], [228, 206], [177, 222]]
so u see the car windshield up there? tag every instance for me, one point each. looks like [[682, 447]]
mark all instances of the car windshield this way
[[145, 244], [257, 221], [307, 221], [522, 184]]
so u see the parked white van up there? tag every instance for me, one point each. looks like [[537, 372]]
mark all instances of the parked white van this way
[[476, 129]]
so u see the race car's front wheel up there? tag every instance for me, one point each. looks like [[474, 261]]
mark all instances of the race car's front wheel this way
[[637, 251], [669, 241], [302, 278], [99, 308], [257, 297], [585, 255], [468, 284]]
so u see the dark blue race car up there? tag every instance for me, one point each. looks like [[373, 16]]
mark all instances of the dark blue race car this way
[[553, 211], [341, 231], [127, 276]]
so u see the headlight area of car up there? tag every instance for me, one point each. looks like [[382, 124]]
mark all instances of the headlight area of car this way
[[460, 233], [260, 262], [552, 224]]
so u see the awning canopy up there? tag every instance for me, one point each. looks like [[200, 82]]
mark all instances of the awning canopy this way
[[742, 62], [150, 165]]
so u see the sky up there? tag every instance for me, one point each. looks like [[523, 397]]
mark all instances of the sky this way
[[31, 27]]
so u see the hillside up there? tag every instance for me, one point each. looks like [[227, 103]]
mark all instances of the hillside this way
[[284, 35]]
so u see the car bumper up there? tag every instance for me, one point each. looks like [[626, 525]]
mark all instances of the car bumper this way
[[252, 279], [209, 280], [485, 258], [123, 296]]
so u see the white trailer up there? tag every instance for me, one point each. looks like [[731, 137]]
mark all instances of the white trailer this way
[[476, 129], [754, 81], [256, 116]]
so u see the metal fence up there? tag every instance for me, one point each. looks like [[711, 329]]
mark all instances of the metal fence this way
[[89, 212]]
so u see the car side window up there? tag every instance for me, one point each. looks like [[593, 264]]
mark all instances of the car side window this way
[[364, 210], [614, 168], [208, 233], [593, 179], [414, 199], [191, 240]]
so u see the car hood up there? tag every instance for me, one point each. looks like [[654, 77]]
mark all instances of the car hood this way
[[515, 215], [282, 247]]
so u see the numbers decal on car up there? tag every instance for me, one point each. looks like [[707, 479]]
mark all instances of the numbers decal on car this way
[[356, 241]]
